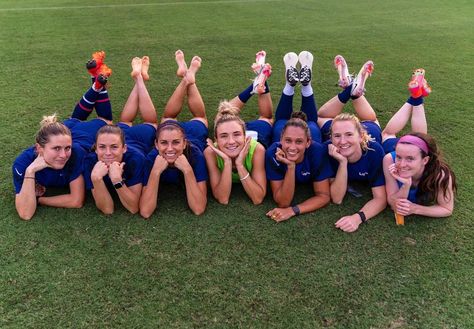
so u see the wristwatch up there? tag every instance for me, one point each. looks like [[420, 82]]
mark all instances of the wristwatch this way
[[119, 185]]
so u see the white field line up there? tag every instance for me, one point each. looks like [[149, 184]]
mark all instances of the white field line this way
[[133, 5]]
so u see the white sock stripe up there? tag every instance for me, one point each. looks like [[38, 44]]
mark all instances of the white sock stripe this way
[[85, 100], [135, 5], [103, 91]]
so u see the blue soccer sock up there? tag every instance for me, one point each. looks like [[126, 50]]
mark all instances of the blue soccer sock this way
[[85, 105], [308, 106], [245, 95], [415, 101], [345, 95], [103, 107]]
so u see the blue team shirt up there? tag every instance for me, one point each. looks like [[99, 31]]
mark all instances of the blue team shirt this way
[[132, 171], [367, 169], [48, 177], [313, 168], [174, 175]]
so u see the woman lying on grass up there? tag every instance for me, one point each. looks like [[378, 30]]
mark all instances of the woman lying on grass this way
[[297, 158], [55, 161], [354, 149], [177, 155], [418, 180], [235, 157], [116, 166]]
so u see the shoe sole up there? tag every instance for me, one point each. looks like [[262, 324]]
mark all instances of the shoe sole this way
[[306, 59], [290, 60], [259, 82], [343, 70]]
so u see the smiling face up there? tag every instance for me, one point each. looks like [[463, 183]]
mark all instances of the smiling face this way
[[410, 161], [294, 143], [346, 137], [57, 151], [110, 148], [170, 144], [230, 138]]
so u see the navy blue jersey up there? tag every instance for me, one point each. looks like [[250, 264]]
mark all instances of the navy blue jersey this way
[[48, 177], [174, 175], [132, 171], [367, 169], [313, 168]]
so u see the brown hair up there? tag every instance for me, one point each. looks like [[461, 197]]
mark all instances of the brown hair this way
[[437, 172], [226, 113], [299, 120], [111, 129], [365, 137], [174, 125], [50, 126]]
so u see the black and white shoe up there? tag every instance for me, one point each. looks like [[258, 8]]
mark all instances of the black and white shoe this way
[[292, 76], [306, 62]]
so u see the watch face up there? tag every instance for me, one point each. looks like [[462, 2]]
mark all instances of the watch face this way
[[118, 185]]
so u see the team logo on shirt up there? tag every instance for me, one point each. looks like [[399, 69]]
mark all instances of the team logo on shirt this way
[[363, 174], [305, 173], [19, 174]]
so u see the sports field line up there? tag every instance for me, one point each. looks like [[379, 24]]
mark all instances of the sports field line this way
[[134, 5]]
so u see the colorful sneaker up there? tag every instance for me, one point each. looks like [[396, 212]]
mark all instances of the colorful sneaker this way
[[259, 82], [291, 73], [415, 86], [103, 75], [358, 86], [306, 62], [93, 66], [259, 62], [345, 79], [426, 89]]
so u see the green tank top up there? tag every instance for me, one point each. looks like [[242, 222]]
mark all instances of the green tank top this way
[[247, 162]]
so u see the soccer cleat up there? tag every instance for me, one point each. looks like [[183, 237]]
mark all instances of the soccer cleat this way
[[345, 79], [259, 62], [426, 89], [291, 74], [103, 75], [415, 86], [259, 82], [306, 61], [94, 65], [358, 86]]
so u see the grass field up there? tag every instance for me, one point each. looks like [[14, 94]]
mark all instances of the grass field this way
[[233, 267]]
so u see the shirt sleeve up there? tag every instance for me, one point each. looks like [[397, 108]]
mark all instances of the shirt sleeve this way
[[19, 168], [376, 176], [320, 157], [275, 170]]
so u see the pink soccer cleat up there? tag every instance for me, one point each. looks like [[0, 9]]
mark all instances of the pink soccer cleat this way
[[345, 79], [103, 75], [415, 86], [358, 86], [259, 82]]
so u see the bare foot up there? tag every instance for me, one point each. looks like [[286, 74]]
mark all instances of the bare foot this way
[[136, 67], [145, 66], [191, 73], [182, 67]]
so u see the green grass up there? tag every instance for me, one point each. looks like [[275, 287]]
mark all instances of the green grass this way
[[233, 267]]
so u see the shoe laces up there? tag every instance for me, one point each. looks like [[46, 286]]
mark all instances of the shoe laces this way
[[292, 75], [305, 74]]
